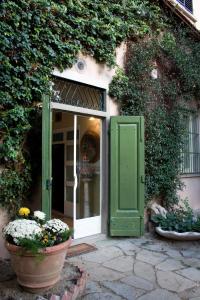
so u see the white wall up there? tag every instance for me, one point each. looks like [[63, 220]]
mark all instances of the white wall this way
[[196, 14], [3, 221], [191, 191]]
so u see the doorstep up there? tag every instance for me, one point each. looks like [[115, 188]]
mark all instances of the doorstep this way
[[92, 239]]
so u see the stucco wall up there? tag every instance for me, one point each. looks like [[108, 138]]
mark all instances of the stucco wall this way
[[196, 13], [191, 191], [3, 221], [95, 74]]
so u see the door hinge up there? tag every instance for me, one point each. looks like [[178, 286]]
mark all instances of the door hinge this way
[[49, 184], [142, 179]]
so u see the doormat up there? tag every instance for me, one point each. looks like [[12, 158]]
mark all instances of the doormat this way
[[79, 249]]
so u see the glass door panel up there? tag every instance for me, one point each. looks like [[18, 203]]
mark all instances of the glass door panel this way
[[80, 163], [87, 174], [69, 175]]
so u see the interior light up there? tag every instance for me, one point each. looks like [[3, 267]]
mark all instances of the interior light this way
[[91, 118]]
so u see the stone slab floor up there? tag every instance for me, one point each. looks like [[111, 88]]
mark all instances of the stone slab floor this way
[[147, 268]]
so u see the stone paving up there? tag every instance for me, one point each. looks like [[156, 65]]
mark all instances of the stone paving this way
[[147, 268]]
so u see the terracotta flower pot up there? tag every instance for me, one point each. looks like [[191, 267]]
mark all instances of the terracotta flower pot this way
[[36, 275]]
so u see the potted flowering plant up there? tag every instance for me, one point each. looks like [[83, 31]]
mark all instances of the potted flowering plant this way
[[37, 248]]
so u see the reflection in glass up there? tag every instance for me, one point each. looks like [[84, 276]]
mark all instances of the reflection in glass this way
[[70, 152], [58, 137], [69, 193], [88, 167], [69, 173]]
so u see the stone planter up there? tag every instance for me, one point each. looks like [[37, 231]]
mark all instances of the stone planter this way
[[180, 236], [36, 274]]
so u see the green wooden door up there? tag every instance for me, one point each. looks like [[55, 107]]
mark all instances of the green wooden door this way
[[127, 176], [46, 155]]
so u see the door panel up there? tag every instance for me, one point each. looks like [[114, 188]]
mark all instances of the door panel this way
[[127, 167], [127, 170], [46, 155]]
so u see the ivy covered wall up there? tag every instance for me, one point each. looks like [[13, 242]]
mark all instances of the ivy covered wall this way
[[35, 37], [38, 35], [162, 82]]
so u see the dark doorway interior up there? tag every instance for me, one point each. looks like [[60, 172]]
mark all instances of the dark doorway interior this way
[[58, 177]]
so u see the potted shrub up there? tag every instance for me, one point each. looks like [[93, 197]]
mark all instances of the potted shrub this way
[[179, 223], [37, 249]]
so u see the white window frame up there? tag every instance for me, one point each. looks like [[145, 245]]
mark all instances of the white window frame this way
[[191, 151]]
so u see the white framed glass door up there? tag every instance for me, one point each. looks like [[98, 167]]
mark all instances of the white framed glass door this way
[[87, 176], [77, 178]]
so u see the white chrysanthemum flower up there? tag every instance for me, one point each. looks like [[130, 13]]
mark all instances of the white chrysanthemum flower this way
[[39, 214], [56, 225], [22, 228]]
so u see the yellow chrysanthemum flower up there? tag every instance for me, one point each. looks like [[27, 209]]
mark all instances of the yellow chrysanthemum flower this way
[[24, 211]]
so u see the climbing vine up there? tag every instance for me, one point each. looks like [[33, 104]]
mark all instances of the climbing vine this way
[[35, 37], [162, 82]]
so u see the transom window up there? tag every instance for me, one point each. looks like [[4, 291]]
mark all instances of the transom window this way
[[72, 93], [187, 4], [191, 149]]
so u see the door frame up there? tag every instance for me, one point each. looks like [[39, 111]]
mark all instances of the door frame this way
[[104, 116]]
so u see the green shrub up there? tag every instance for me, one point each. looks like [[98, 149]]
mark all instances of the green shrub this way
[[180, 219]]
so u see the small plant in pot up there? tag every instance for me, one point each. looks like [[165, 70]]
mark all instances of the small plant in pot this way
[[37, 248], [179, 223]]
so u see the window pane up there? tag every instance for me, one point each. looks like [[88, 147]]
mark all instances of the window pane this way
[[71, 93], [58, 137], [187, 4], [69, 173], [69, 194], [69, 153], [191, 149]]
